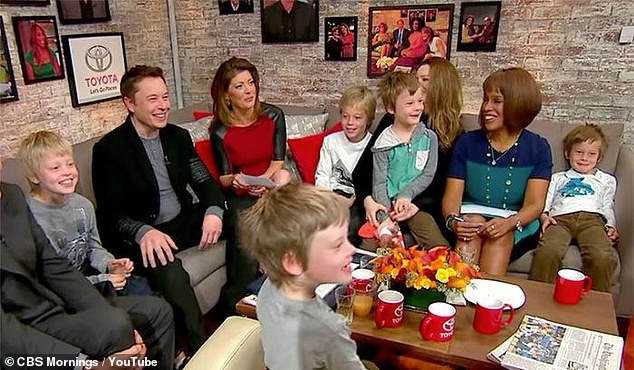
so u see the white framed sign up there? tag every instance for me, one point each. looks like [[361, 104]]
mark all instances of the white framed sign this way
[[95, 64]]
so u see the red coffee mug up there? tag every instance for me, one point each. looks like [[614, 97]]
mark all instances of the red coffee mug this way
[[570, 285], [389, 312], [362, 279], [488, 315], [438, 324]]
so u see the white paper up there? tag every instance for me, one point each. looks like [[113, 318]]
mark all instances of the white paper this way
[[485, 210], [257, 181]]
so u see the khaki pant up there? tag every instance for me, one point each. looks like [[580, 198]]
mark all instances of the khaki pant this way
[[600, 259]]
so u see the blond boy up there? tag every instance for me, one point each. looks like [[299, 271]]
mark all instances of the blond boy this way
[[580, 205], [341, 151], [68, 219], [405, 158], [298, 233]]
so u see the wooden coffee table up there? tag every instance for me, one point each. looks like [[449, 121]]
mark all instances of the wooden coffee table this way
[[469, 348]]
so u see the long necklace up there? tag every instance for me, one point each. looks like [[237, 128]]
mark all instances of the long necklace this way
[[491, 153], [509, 178]]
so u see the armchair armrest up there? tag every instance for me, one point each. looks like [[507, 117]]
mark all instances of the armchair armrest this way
[[235, 345], [624, 209]]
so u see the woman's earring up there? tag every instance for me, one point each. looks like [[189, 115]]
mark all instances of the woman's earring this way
[[229, 104]]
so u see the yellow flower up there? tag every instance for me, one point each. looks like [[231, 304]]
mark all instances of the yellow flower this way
[[451, 272], [442, 275]]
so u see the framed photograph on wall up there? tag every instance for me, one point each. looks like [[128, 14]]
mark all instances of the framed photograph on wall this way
[[235, 6], [38, 48], [26, 2], [83, 11], [8, 90], [287, 21], [95, 63], [479, 26], [401, 37], [340, 34]]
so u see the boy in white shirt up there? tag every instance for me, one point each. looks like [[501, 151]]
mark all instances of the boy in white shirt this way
[[340, 152], [580, 206]]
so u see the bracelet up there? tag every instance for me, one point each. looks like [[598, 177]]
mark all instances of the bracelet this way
[[449, 221], [518, 225]]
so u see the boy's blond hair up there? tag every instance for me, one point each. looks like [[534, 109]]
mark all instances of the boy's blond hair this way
[[285, 221], [588, 132], [359, 96], [393, 84], [35, 146]]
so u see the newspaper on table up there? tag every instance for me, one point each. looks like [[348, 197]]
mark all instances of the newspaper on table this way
[[542, 344]]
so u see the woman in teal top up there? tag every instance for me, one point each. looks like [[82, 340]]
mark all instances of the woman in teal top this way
[[498, 176], [41, 62]]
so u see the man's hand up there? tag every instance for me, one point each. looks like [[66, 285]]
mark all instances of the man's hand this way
[[121, 266], [118, 280], [212, 227], [613, 234], [156, 242], [115, 360]]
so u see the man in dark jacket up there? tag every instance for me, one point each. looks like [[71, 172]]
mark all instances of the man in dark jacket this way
[[146, 173]]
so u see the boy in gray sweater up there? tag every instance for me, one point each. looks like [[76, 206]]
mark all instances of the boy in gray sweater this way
[[67, 218], [298, 233]]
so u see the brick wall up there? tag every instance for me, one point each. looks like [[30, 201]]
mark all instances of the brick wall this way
[[571, 46]]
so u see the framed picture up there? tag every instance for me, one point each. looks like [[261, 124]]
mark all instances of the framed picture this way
[[95, 63], [235, 6], [479, 26], [26, 2], [38, 48], [286, 21], [83, 11], [340, 34], [8, 90], [403, 36]]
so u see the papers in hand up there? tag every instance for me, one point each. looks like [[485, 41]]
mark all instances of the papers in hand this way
[[257, 181], [485, 210]]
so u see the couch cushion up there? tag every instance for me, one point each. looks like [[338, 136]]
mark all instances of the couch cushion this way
[[306, 153], [200, 264], [305, 125]]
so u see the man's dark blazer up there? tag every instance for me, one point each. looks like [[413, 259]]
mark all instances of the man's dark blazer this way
[[405, 43], [36, 282], [243, 7], [125, 186], [301, 22]]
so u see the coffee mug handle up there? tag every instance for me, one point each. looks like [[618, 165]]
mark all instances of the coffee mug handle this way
[[424, 326], [511, 315], [378, 316], [587, 285]]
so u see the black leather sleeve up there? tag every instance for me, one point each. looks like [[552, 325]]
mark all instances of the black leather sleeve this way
[[279, 136]]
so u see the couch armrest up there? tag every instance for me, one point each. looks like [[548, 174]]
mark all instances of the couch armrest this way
[[235, 345], [624, 209]]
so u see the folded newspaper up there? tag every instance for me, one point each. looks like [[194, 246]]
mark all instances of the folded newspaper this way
[[542, 344]]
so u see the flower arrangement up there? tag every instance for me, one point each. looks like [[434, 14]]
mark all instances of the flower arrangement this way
[[384, 63], [438, 268]]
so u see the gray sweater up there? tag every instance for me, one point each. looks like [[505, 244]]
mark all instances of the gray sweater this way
[[72, 230]]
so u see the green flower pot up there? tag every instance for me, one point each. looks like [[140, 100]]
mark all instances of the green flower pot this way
[[420, 299]]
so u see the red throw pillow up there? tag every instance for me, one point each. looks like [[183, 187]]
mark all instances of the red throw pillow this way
[[306, 152], [198, 115], [203, 147]]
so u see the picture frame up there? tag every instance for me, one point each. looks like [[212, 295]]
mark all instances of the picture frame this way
[[392, 45], [83, 11], [340, 35], [479, 25], [277, 26], [26, 2], [95, 64], [38, 48], [228, 7], [8, 90]]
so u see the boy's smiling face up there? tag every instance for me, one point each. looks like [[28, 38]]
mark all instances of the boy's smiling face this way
[[329, 257], [354, 122], [408, 108], [583, 157], [56, 177]]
